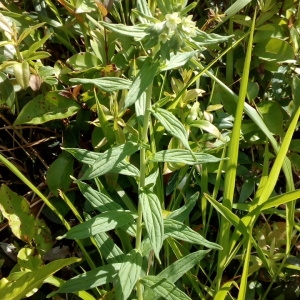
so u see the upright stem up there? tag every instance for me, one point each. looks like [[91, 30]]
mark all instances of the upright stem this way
[[143, 170]]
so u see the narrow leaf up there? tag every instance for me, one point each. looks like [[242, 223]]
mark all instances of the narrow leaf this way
[[107, 84], [138, 32], [178, 60], [128, 275], [171, 124], [178, 268], [184, 156], [101, 223], [109, 160], [182, 213], [182, 232], [90, 157], [153, 219], [141, 82], [164, 288], [15, 290], [98, 200], [90, 279]]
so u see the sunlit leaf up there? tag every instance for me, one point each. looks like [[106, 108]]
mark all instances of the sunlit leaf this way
[[184, 156], [40, 109], [128, 275], [101, 223], [182, 232], [153, 220], [164, 288], [16, 290]]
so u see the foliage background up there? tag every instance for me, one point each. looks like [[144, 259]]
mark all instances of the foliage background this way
[[66, 70]]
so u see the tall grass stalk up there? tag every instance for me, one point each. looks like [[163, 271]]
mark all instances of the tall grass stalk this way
[[231, 165]]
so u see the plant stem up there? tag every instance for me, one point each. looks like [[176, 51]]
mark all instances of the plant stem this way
[[143, 170]]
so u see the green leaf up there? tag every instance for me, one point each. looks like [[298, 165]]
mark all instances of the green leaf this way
[[177, 269], [141, 82], [138, 32], [272, 115], [107, 84], [178, 60], [152, 216], [108, 248], [38, 55], [16, 210], [171, 124], [82, 61], [22, 222], [22, 73], [296, 90], [16, 290], [128, 275], [55, 281], [90, 157], [205, 39], [109, 159], [28, 31], [208, 127], [90, 279], [101, 223], [59, 172], [35, 46], [274, 49], [182, 213], [5, 24], [98, 200], [180, 231], [7, 93], [184, 156], [143, 7], [40, 109], [163, 287]]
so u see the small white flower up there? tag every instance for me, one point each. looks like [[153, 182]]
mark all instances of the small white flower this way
[[193, 32], [163, 37], [172, 20], [188, 25]]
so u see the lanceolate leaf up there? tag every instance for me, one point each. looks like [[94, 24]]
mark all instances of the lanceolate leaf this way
[[104, 222], [90, 157], [58, 174], [171, 124], [178, 60], [91, 279], [141, 82], [15, 290], [128, 275], [138, 32], [184, 156], [98, 200], [152, 216], [182, 213], [182, 232], [178, 268], [109, 160], [164, 288], [107, 84]]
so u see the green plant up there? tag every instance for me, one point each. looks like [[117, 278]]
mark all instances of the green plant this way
[[168, 153]]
